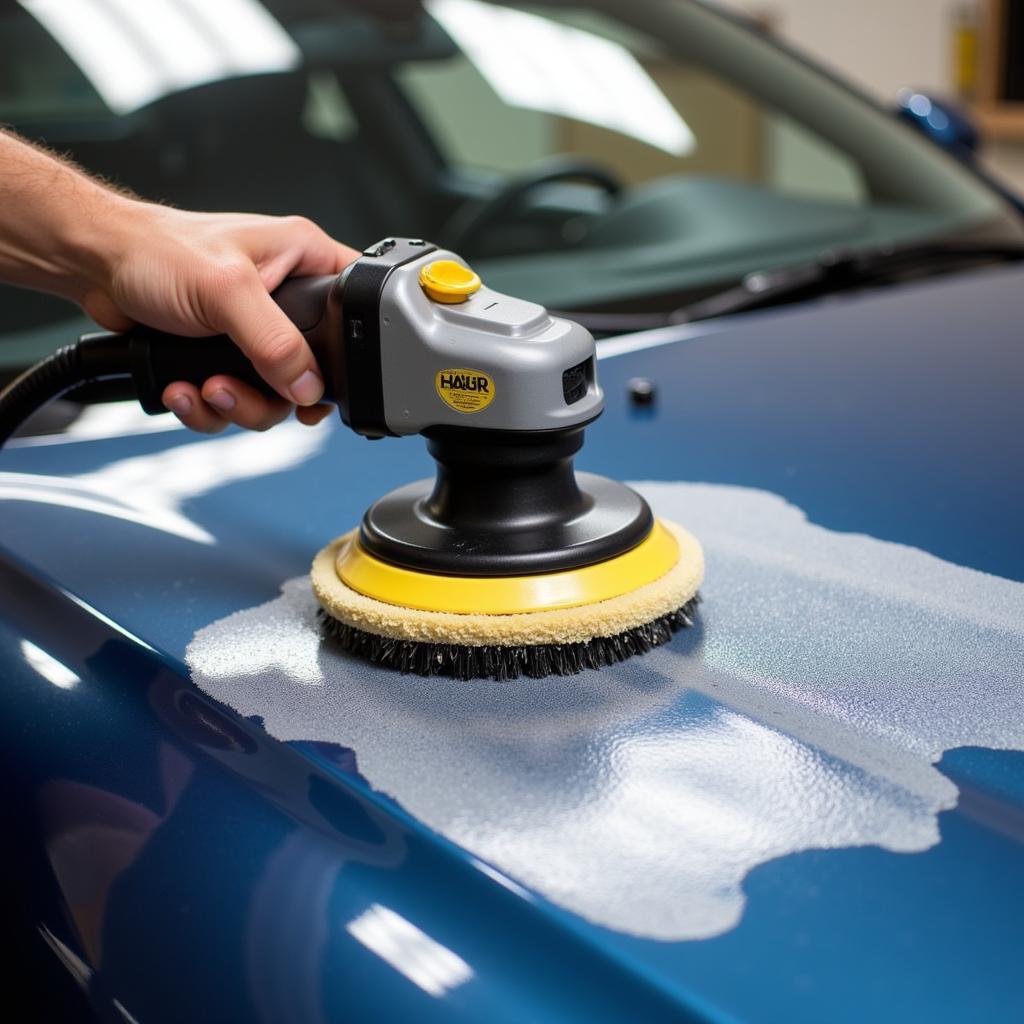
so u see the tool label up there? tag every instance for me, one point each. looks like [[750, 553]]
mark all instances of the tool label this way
[[465, 390]]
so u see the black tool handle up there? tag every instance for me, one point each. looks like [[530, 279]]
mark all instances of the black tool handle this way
[[158, 359]]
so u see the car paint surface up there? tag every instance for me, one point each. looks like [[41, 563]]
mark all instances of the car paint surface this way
[[184, 864]]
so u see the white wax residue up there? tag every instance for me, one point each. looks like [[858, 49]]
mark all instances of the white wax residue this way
[[827, 674]]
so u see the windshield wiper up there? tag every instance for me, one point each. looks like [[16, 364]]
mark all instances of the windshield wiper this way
[[833, 271]]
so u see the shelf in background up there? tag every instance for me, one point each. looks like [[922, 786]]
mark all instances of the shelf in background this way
[[1000, 120]]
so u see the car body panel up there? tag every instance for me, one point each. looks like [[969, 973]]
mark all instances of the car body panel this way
[[187, 864]]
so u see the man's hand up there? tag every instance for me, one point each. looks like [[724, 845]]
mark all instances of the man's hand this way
[[198, 274], [126, 261]]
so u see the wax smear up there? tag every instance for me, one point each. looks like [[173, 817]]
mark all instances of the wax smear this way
[[807, 709]]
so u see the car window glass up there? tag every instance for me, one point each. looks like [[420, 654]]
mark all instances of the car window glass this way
[[280, 143], [38, 80], [327, 113], [733, 135], [715, 152]]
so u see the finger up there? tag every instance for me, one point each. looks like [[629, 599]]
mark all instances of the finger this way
[[343, 256], [270, 340], [321, 254], [244, 405], [184, 401], [311, 415], [296, 247]]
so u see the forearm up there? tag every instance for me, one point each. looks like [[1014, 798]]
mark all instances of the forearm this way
[[55, 221]]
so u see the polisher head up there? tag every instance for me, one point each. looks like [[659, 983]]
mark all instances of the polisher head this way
[[555, 623]]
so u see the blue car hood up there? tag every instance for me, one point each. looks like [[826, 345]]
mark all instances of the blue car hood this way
[[810, 806]]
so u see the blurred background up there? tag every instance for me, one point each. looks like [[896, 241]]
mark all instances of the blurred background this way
[[969, 51]]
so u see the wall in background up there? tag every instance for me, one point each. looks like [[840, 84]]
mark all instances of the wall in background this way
[[882, 45]]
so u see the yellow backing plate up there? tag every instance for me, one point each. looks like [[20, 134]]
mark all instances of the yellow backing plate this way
[[502, 595]]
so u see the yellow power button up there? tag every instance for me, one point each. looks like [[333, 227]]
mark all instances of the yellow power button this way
[[448, 281]]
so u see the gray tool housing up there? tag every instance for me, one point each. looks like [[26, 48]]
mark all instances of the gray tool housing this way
[[518, 345]]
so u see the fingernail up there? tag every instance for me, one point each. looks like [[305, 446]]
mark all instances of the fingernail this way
[[222, 399], [307, 389], [181, 405]]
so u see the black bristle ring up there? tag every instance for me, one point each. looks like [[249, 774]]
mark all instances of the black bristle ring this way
[[459, 661]]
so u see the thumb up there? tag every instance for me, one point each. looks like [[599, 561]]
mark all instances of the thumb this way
[[272, 342]]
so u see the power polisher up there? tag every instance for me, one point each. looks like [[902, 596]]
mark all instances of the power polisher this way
[[508, 562]]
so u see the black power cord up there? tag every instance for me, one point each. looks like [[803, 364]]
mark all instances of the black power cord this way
[[142, 361], [93, 358]]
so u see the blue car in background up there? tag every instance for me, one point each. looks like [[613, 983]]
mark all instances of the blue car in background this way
[[810, 807]]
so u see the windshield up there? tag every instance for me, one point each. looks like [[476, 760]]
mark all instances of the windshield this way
[[598, 156]]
